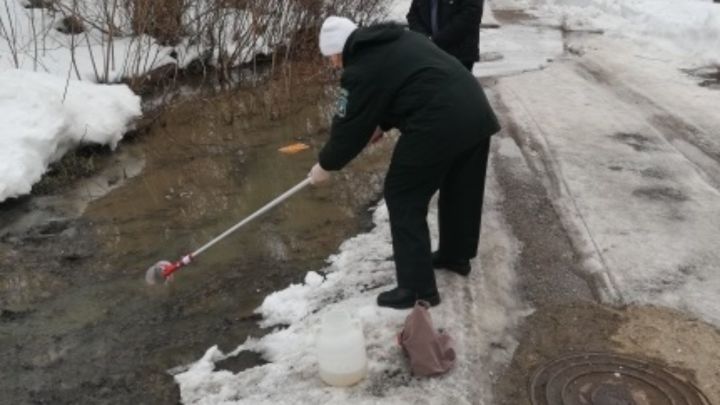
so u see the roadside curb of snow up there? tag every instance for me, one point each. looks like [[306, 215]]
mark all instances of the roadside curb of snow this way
[[531, 140]]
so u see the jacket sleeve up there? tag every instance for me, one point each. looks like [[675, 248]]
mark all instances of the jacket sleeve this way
[[358, 114], [414, 20], [461, 25]]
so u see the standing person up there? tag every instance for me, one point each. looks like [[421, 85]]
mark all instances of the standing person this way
[[453, 25], [395, 78]]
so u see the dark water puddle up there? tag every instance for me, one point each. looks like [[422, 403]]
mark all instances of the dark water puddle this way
[[79, 325], [244, 360], [46, 214]]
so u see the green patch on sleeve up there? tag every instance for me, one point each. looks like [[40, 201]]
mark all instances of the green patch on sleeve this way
[[341, 104]]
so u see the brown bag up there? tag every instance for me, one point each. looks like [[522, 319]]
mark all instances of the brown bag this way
[[430, 352]]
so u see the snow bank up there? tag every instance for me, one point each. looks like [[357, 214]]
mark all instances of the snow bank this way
[[478, 312], [690, 27], [39, 125]]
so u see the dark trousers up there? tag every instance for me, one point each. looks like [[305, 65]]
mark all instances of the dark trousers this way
[[408, 190]]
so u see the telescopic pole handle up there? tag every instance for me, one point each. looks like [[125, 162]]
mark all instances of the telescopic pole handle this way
[[284, 196]]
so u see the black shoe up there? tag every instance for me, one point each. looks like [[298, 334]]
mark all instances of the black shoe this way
[[401, 298], [461, 267]]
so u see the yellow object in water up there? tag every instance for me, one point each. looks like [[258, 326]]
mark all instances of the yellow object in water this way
[[294, 148]]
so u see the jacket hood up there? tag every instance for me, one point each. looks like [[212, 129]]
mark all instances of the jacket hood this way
[[370, 36]]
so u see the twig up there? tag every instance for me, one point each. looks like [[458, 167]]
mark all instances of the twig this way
[[10, 36]]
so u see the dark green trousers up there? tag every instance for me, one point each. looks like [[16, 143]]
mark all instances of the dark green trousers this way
[[408, 190]]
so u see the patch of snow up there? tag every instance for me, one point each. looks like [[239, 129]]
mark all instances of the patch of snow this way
[[689, 27], [397, 10], [45, 115]]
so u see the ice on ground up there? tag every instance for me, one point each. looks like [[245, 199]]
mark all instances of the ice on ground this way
[[478, 312], [44, 116], [520, 49]]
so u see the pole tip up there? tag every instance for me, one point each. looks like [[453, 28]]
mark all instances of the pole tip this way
[[154, 275]]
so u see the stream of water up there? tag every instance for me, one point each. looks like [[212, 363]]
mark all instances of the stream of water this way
[[78, 323]]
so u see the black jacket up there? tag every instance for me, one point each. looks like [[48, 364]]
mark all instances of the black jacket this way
[[397, 78], [458, 26]]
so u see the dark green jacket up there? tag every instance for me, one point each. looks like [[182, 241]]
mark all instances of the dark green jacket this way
[[397, 78]]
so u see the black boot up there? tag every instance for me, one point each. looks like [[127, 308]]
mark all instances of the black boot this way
[[461, 267], [401, 298]]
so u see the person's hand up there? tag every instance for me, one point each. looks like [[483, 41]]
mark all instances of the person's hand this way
[[377, 135], [318, 175]]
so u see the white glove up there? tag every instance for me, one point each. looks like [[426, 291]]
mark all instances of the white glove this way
[[318, 175]]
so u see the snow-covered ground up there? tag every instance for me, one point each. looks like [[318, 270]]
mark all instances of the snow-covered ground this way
[[629, 145], [686, 31], [690, 27]]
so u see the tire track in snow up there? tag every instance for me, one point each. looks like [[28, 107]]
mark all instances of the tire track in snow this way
[[699, 145]]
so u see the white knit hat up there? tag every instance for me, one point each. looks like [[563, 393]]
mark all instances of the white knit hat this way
[[334, 33]]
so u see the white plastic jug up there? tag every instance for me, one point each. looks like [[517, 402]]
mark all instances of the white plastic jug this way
[[341, 349]]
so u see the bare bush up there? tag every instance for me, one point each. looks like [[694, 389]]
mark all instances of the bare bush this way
[[8, 32], [47, 4], [71, 25], [161, 19], [141, 39]]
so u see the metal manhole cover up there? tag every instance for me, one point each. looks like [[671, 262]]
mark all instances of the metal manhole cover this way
[[609, 379]]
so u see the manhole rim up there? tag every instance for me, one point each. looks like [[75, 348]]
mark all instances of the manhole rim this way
[[679, 394], [659, 375], [645, 364]]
